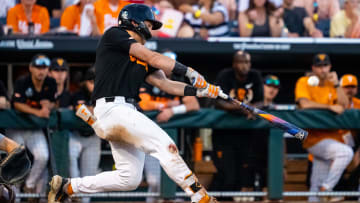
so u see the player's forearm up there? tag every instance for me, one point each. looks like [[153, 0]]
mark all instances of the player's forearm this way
[[308, 104], [173, 87], [220, 104], [309, 25], [25, 108], [342, 98]]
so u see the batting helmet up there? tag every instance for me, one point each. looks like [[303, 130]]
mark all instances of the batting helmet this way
[[138, 13], [7, 195]]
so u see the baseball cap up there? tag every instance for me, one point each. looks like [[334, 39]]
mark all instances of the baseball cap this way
[[58, 64], [272, 80], [40, 60], [321, 59], [170, 54], [348, 80]]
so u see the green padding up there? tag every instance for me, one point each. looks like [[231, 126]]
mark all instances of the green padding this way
[[211, 118], [60, 147], [14, 119]]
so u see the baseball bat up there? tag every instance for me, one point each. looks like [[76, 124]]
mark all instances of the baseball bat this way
[[276, 121]]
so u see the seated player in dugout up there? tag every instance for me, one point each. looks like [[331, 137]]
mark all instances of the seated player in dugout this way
[[236, 166], [152, 98], [123, 63], [59, 70], [34, 94], [240, 82], [28, 18], [331, 155]]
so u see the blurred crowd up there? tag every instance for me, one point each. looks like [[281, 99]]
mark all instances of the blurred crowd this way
[[189, 18], [239, 156]]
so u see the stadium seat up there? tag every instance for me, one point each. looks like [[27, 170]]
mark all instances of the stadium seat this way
[[3, 21], [54, 22]]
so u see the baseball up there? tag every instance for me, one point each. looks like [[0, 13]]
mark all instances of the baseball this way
[[313, 80]]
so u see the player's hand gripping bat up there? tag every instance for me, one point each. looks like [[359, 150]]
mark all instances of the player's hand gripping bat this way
[[278, 122]]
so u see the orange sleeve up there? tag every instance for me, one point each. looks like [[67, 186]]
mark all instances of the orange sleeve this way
[[11, 19], [67, 19], [301, 89], [45, 23], [147, 104]]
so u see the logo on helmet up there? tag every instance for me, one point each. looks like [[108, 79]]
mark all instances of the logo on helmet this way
[[125, 15]]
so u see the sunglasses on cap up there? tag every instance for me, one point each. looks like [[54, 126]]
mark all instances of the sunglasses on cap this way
[[171, 55], [272, 82], [42, 62]]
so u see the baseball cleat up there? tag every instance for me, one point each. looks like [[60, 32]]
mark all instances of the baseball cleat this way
[[57, 193], [84, 113]]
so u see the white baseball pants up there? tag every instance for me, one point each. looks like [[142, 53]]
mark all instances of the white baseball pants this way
[[330, 160], [36, 142], [84, 155], [136, 135]]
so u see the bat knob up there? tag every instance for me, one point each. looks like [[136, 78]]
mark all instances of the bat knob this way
[[301, 135]]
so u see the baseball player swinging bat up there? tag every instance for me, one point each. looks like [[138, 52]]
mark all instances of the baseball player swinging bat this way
[[276, 121]]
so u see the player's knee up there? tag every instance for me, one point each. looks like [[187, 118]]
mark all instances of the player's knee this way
[[134, 182], [346, 153]]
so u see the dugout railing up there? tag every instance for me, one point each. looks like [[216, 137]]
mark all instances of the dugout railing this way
[[205, 118]]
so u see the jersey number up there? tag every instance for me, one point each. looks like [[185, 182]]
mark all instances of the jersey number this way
[[140, 62]]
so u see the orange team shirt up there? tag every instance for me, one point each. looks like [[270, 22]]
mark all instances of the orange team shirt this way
[[150, 103], [18, 21], [71, 18], [325, 94], [105, 17]]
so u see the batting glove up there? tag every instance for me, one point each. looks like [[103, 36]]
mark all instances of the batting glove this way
[[196, 79], [211, 91]]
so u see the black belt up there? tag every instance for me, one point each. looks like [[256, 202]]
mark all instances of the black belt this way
[[127, 100]]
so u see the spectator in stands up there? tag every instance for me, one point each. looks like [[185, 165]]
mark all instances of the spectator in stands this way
[[159, 8], [5, 6], [233, 160], [207, 18], [258, 20], [153, 98], [331, 155], [346, 23], [231, 7], [107, 12], [84, 146], [297, 21], [35, 95], [28, 18], [53, 6], [243, 5], [59, 71], [321, 12], [80, 19], [4, 99]]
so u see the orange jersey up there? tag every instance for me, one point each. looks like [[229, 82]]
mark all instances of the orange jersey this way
[[105, 16], [325, 94], [355, 104], [71, 18], [18, 21]]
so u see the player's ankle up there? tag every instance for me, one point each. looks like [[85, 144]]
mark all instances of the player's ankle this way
[[68, 188]]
